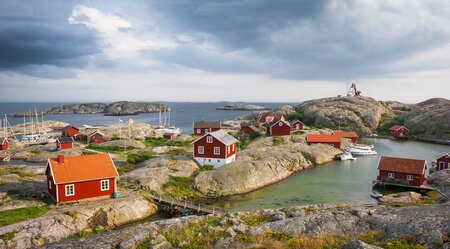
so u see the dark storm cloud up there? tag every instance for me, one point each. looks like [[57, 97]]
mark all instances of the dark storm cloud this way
[[35, 33]]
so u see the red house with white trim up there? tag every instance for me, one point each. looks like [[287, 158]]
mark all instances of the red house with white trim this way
[[399, 132], [217, 148], [202, 127], [402, 171], [169, 136], [70, 131], [278, 127], [96, 137], [443, 162], [248, 129], [353, 136], [64, 143], [80, 177], [4, 143], [330, 139], [297, 125]]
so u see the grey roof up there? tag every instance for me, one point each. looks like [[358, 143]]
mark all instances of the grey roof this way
[[64, 139], [250, 126], [222, 136], [276, 121], [203, 124]]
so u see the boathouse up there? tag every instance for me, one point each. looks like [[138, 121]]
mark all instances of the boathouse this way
[[278, 127], [248, 129], [443, 162], [4, 143], [402, 171], [330, 139], [64, 143], [217, 148], [399, 132], [80, 177], [202, 127], [96, 137], [70, 131], [353, 136], [297, 125]]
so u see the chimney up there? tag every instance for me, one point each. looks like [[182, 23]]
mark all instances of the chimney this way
[[60, 159]]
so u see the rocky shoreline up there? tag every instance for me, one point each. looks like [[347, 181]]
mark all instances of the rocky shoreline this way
[[242, 107]]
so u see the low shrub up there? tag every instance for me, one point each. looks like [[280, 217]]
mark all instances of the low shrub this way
[[139, 157], [20, 214], [277, 141], [254, 219], [87, 232]]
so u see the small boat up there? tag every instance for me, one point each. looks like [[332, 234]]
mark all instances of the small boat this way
[[362, 146], [376, 195], [361, 152], [346, 156], [6, 159]]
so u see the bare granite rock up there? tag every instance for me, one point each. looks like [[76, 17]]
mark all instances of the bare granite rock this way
[[122, 143], [403, 197]]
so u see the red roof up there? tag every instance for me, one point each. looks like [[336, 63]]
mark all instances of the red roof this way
[[346, 134], [402, 165], [323, 138], [82, 168], [397, 127]]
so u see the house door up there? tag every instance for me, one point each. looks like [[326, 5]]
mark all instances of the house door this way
[[441, 165]]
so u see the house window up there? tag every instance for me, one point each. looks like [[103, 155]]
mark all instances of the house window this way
[[441, 165], [280, 124], [206, 130], [391, 175], [49, 184], [209, 139], [199, 131], [201, 149], [70, 190], [104, 185], [216, 150], [229, 149], [409, 177]]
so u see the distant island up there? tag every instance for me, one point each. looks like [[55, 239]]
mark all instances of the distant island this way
[[242, 107], [121, 108]]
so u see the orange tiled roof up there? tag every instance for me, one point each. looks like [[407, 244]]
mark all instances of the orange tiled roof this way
[[346, 134], [402, 165], [82, 168], [323, 138]]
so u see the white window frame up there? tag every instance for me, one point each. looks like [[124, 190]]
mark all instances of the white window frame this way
[[229, 149], [201, 150], [199, 131], [280, 123], [216, 150], [409, 177], [101, 185], [209, 139], [391, 175], [67, 188]]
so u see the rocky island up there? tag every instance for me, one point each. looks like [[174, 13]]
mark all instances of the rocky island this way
[[242, 107], [120, 108]]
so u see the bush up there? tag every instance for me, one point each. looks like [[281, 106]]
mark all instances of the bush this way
[[254, 135], [255, 219], [136, 158], [125, 168], [178, 186], [159, 141], [206, 167], [277, 141], [87, 232]]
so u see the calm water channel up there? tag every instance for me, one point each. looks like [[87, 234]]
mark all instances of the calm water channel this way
[[335, 182]]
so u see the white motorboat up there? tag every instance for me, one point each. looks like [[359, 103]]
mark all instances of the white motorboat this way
[[361, 151], [376, 195], [6, 159], [346, 156], [362, 146]]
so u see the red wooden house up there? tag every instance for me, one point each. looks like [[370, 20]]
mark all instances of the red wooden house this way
[[248, 129], [64, 143], [216, 148], [80, 177], [202, 127], [399, 132], [169, 136], [297, 125], [278, 127], [402, 171], [4, 143], [347, 134], [96, 137], [70, 131], [443, 162], [333, 140]]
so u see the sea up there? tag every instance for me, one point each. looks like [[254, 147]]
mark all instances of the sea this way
[[183, 114]]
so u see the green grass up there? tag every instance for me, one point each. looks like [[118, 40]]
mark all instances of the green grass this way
[[14, 170], [109, 149], [178, 187], [8, 236], [87, 152], [246, 140], [159, 141], [125, 168], [139, 157], [254, 219], [277, 141], [87, 232], [20, 214]]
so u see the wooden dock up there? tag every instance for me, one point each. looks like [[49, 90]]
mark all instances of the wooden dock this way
[[184, 207], [386, 183]]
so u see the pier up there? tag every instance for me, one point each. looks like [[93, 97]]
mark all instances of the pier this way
[[184, 207]]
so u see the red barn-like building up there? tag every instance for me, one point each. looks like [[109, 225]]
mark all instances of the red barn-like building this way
[[70, 131], [443, 162], [399, 132], [64, 143], [278, 127], [4, 143], [248, 129], [333, 140], [96, 137], [297, 125], [80, 177], [402, 171], [216, 148], [202, 127], [347, 134]]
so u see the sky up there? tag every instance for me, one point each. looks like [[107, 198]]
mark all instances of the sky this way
[[233, 50]]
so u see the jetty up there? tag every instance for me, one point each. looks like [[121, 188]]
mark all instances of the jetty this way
[[184, 207]]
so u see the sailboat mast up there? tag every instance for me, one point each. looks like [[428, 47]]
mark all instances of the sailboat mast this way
[[37, 121], [169, 117], [7, 124], [160, 116], [32, 124]]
